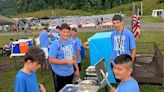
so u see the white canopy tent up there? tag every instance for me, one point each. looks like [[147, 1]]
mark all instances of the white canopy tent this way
[[87, 21]]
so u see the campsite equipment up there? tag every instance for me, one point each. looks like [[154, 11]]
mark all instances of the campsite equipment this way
[[20, 47], [149, 66], [91, 85], [90, 73], [100, 47]]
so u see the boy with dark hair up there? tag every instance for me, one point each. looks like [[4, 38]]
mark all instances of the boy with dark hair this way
[[58, 31], [123, 41], [25, 80], [62, 59], [123, 69], [55, 33]]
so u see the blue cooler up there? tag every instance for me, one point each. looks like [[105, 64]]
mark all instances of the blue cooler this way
[[15, 48]]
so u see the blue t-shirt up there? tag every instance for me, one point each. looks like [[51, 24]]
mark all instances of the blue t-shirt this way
[[53, 31], [122, 43], [128, 86], [77, 46], [26, 82], [43, 36], [62, 50]]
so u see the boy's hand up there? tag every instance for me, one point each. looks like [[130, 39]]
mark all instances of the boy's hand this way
[[76, 73], [42, 88], [113, 89], [70, 62]]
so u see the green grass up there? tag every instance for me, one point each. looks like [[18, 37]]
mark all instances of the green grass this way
[[7, 78], [151, 19], [147, 39], [57, 12]]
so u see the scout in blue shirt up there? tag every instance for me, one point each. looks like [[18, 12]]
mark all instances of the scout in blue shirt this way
[[55, 33], [77, 46], [25, 80], [43, 37], [123, 41], [62, 59], [44, 44], [122, 69]]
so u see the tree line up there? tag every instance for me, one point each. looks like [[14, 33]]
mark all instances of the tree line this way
[[14, 7], [86, 5]]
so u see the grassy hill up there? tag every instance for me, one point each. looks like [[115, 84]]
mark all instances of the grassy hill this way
[[56, 12], [125, 9]]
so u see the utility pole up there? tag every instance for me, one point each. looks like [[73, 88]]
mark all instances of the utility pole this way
[[52, 13], [141, 8]]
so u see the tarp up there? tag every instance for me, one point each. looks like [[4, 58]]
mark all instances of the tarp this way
[[83, 21], [54, 23], [72, 22], [100, 47], [4, 20], [87, 21]]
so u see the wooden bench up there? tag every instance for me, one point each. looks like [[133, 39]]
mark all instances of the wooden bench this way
[[152, 72]]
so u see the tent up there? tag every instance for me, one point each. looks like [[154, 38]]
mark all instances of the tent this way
[[100, 47], [72, 22], [107, 20], [54, 23], [87, 21], [4, 20]]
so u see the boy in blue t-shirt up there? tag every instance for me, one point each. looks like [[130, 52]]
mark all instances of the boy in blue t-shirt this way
[[26, 80], [43, 38], [77, 46], [62, 59], [44, 43], [55, 33], [123, 41], [123, 69]]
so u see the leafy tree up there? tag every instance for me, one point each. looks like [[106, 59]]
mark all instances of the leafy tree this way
[[149, 5]]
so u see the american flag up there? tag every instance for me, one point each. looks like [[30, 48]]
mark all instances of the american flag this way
[[136, 25]]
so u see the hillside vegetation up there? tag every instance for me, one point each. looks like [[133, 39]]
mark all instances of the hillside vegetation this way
[[82, 7]]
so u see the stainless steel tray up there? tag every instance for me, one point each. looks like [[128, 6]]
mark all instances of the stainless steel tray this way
[[81, 88]]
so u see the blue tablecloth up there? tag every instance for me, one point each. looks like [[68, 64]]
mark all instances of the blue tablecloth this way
[[100, 47]]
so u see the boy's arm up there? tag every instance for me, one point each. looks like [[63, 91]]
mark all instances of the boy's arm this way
[[78, 53], [76, 74], [132, 46], [133, 54], [113, 89]]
